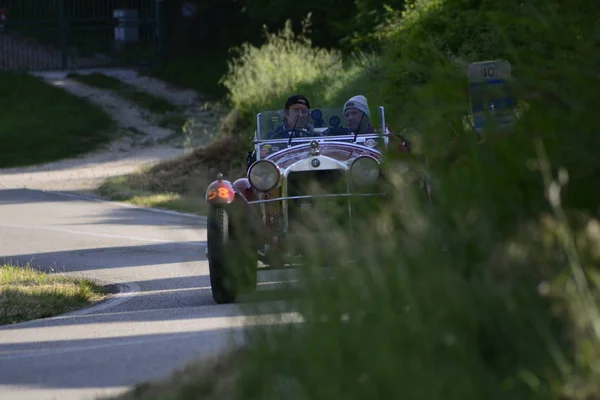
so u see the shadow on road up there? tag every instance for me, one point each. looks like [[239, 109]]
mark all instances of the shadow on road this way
[[117, 361], [110, 215], [139, 216], [112, 257], [27, 196], [265, 278], [191, 303]]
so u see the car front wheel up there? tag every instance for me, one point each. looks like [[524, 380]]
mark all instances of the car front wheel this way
[[232, 263]]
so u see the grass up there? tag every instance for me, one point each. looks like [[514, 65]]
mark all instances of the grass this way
[[28, 294], [154, 104], [42, 123], [261, 78], [492, 293], [126, 189], [179, 184], [200, 72]]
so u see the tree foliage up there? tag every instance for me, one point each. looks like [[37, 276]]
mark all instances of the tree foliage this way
[[221, 24]]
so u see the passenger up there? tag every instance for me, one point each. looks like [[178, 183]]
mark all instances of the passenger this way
[[356, 111]]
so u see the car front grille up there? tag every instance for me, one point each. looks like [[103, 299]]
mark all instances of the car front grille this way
[[316, 182], [317, 214]]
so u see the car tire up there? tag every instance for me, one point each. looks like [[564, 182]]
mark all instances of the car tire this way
[[233, 267]]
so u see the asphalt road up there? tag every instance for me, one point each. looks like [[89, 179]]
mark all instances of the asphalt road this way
[[164, 317]]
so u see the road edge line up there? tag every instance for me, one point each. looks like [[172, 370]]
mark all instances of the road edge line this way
[[122, 296], [121, 204]]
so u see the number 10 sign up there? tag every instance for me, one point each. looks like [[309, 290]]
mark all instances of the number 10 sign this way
[[490, 94]]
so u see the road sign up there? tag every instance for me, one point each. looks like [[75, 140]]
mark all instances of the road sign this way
[[489, 90], [189, 9]]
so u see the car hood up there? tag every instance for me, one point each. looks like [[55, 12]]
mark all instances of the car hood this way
[[343, 152]]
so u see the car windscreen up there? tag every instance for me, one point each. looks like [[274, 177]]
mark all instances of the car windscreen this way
[[322, 121]]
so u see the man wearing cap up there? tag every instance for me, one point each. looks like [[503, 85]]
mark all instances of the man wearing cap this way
[[356, 111], [295, 114]]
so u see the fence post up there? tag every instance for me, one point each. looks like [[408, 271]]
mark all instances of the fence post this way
[[63, 25], [160, 30], [2, 18]]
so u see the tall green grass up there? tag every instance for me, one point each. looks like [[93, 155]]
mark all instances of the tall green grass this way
[[492, 292], [262, 78]]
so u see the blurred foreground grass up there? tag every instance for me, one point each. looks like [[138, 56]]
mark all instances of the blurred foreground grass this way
[[490, 294]]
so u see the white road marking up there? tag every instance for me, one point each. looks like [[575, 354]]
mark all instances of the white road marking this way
[[114, 300], [38, 353], [269, 284], [126, 205], [76, 232]]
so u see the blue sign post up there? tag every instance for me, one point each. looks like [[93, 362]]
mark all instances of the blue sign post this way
[[491, 98]]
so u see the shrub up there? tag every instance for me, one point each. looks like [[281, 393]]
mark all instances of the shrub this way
[[260, 78], [490, 294]]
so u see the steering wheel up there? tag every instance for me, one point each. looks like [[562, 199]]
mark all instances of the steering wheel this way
[[285, 133]]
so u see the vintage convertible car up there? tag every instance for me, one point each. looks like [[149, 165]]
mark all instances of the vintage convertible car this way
[[290, 172]]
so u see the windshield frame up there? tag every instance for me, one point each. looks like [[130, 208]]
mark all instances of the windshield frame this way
[[380, 130]]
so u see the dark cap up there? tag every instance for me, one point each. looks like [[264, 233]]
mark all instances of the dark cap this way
[[297, 99]]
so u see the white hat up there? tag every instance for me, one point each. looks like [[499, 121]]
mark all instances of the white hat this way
[[359, 102]]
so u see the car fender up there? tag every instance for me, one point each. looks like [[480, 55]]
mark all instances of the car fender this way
[[243, 187], [220, 192]]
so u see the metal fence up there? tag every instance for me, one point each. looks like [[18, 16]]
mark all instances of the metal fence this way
[[69, 34]]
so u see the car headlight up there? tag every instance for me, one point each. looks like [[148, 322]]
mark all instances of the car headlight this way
[[365, 170], [264, 175]]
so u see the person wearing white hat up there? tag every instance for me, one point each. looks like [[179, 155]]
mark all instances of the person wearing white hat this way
[[356, 112]]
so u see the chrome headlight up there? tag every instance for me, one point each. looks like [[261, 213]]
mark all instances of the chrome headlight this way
[[365, 170], [264, 175]]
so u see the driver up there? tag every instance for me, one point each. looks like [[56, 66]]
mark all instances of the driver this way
[[356, 111], [295, 114]]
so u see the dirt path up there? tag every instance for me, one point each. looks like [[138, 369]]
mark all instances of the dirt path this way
[[141, 142]]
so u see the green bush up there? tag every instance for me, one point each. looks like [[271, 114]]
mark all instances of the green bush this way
[[262, 78]]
